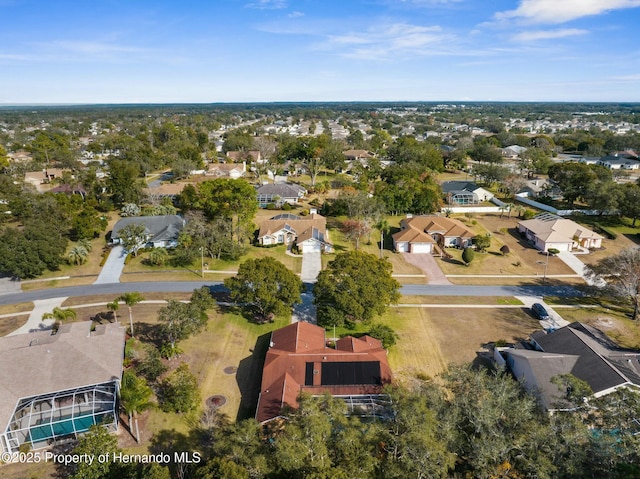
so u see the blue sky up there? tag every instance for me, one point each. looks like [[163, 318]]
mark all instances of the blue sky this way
[[132, 51]]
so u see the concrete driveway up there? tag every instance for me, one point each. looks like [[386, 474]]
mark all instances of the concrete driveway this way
[[578, 266], [311, 266], [427, 263], [113, 267]]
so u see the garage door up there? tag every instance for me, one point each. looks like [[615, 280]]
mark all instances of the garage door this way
[[311, 246], [421, 248]]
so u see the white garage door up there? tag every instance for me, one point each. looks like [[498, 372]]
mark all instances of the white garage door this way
[[311, 246], [402, 247], [421, 248]]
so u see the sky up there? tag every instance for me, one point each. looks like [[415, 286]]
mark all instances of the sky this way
[[193, 51]]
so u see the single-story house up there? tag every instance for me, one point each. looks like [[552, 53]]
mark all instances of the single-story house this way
[[357, 154], [165, 190], [464, 193], [576, 349], [547, 230], [54, 387], [513, 151], [308, 232], [419, 234], [161, 231], [227, 170], [279, 193], [299, 361], [614, 162], [251, 155], [43, 177]]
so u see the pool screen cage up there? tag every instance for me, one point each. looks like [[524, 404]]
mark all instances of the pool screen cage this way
[[42, 420]]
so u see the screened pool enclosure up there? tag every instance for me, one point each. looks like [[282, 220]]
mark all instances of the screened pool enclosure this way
[[42, 420]]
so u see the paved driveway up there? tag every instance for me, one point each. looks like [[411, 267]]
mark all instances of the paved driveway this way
[[427, 263], [573, 262], [113, 267], [311, 266]]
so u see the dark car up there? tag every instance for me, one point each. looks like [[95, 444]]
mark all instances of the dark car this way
[[539, 311]]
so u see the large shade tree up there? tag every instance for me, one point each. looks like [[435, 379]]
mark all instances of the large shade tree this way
[[265, 286], [620, 274], [356, 286]]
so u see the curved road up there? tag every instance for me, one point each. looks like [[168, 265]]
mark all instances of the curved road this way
[[188, 286]]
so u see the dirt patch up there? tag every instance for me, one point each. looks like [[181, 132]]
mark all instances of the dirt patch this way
[[230, 370], [216, 402]]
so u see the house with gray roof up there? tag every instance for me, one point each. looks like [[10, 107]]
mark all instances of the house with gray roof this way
[[161, 231], [55, 386], [577, 349], [279, 194], [464, 193]]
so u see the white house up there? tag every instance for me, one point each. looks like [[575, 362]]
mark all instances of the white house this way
[[420, 234], [547, 230]]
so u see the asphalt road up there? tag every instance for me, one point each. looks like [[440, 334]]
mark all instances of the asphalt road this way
[[116, 289]]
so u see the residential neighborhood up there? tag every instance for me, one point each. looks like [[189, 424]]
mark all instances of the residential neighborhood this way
[[253, 271]]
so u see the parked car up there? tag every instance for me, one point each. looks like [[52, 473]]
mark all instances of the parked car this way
[[539, 311]]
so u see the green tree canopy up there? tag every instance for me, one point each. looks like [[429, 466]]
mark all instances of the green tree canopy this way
[[265, 286], [356, 286]]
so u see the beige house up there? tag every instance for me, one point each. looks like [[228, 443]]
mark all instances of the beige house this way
[[419, 234], [227, 170], [308, 232], [43, 177], [547, 230]]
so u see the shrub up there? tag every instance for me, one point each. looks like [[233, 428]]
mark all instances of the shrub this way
[[385, 334], [286, 207], [500, 343], [553, 250], [271, 206], [505, 250], [528, 214], [468, 255], [179, 391]]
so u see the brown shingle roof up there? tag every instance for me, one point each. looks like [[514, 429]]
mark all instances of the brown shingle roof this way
[[301, 225], [419, 228]]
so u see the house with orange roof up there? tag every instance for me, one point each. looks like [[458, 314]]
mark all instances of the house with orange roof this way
[[299, 361], [419, 234]]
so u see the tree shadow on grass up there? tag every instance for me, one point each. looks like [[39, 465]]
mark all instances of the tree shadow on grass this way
[[249, 377]]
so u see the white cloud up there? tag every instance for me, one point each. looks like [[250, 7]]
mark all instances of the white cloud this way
[[532, 36], [560, 11], [628, 78], [267, 4], [295, 14], [396, 41]]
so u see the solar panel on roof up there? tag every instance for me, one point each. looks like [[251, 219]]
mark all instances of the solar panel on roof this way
[[349, 373]]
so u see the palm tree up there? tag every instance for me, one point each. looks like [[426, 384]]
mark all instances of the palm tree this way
[[158, 256], [60, 315], [135, 396], [85, 243], [130, 299], [78, 255], [113, 306], [384, 228]]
